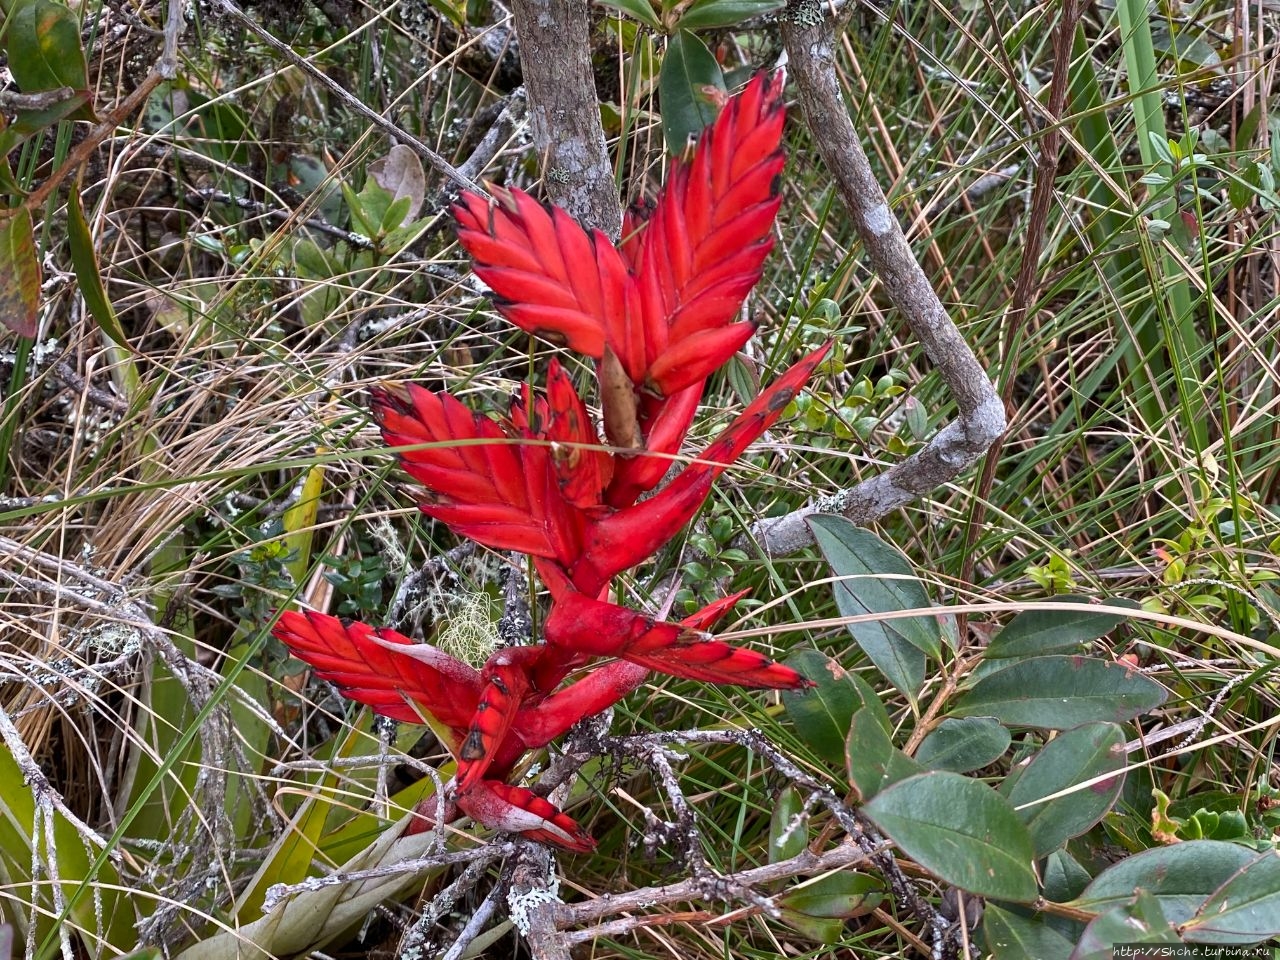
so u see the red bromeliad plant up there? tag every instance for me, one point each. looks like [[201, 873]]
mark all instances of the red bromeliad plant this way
[[658, 313]]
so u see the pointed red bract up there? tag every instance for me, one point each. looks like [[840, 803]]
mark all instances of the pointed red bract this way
[[370, 668], [502, 806]]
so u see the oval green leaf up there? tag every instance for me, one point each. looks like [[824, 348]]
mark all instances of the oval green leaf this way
[[1245, 909], [641, 10], [1013, 937], [879, 580], [709, 14], [962, 745], [835, 896], [1180, 877], [1037, 633], [687, 89], [873, 762], [1073, 757], [786, 837], [43, 43], [1057, 693], [822, 713], [960, 830], [19, 273]]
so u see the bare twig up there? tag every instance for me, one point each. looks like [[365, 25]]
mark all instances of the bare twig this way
[[555, 54], [810, 42]]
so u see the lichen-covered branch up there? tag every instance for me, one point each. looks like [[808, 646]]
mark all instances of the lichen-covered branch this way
[[810, 42]]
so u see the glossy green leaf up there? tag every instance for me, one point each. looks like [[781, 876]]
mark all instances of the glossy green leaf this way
[[1013, 937], [1063, 878], [960, 830], [1075, 756], [1182, 877], [878, 579], [962, 745], [27, 123], [1057, 693], [709, 14], [688, 88], [872, 761], [1245, 909], [84, 259], [1143, 921], [787, 837], [641, 10], [835, 896], [822, 713], [1037, 633], [43, 44], [19, 273]]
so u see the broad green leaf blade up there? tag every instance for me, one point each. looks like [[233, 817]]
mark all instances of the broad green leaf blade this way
[[787, 837], [1141, 922], [1013, 937], [960, 830], [688, 87], [43, 43], [1063, 878], [19, 273], [1245, 909], [708, 14], [1057, 693], [835, 896], [879, 580], [641, 10], [1037, 633], [1073, 757], [962, 745], [87, 276], [1181, 877], [872, 761], [822, 713]]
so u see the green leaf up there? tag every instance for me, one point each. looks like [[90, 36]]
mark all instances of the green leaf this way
[[1181, 877], [878, 579], [1057, 693], [1141, 922], [835, 896], [87, 276], [43, 44], [815, 928], [963, 745], [1063, 878], [19, 273], [960, 830], [1036, 633], [871, 759], [786, 837], [689, 74], [1073, 757], [1245, 909], [1013, 937], [641, 10], [822, 713], [709, 14]]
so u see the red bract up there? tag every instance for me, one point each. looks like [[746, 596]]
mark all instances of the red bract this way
[[658, 314]]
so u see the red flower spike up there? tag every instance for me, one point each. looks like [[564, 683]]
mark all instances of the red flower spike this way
[[549, 276], [599, 690], [384, 670], [502, 806], [623, 539], [668, 421], [606, 629], [506, 684], [708, 235], [691, 360], [583, 469]]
